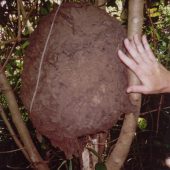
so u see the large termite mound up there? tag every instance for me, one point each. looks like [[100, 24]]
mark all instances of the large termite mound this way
[[82, 83]]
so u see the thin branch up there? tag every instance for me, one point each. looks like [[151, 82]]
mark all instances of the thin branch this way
[[20, 125], [64, 162], [11, 151], [159, 110], [8, 41], [13, 134], [19, 21], [8, 57], [152, 25], [22, 9], [29, 13], [13, 40], [154, 110], [17, 168]]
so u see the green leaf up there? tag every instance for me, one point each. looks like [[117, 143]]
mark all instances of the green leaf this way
[[156, 14], [43, 11], [25, 44], [95, 153], [152, 10], [142, 123], [26, 31], [70, 165], [18, 52], [100, 166]]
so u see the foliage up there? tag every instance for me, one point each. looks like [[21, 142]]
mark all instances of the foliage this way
[[142, 123], [151, 144], [100, 166]]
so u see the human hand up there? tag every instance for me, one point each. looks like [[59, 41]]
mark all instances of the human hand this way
[[153, 76]]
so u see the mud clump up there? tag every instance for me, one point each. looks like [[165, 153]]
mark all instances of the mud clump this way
[[82, 88]]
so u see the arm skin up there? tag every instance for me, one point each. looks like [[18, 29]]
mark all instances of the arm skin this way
[[153, 76]]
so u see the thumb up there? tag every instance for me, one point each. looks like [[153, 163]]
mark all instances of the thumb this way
[[137, 89]]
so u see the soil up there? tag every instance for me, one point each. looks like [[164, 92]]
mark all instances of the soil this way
[[82, 88]]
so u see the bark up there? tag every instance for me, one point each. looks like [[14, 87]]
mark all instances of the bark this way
[[35, 158], [121, 150], [135, 22], [119, 154]]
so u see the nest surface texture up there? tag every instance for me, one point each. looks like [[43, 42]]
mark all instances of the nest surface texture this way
[[82, 88]]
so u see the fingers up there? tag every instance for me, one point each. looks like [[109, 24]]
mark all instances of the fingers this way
[[148, 49], [137, 89], [132, 51], [139, 45], [128, 61], [140, 50]]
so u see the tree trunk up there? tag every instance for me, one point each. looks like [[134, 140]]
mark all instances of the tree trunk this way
[[119, 154], [35, 158]]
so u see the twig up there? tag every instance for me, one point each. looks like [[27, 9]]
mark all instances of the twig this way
[[19, 21], [11, 151], [103, 144], [22, 9], [152, 25], [8, 41], [159, 110], [17, 168], [8, 57], [13, 40], [154, 110], [64, 162]]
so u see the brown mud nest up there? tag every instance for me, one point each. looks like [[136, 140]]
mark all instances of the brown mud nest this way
[[82, 83]]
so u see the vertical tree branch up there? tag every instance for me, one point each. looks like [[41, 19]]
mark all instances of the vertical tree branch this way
[[122, 147], [135, 22], [119, 154]]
